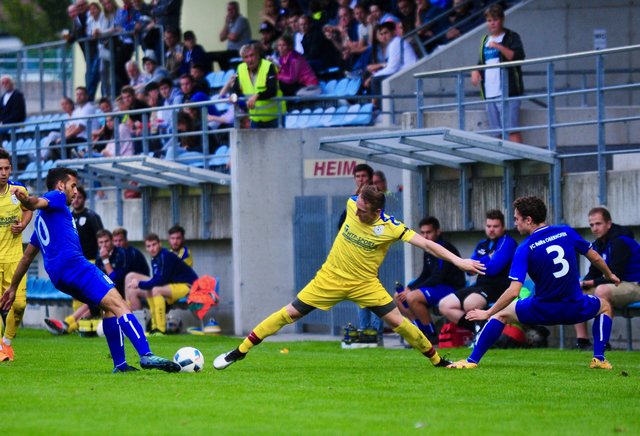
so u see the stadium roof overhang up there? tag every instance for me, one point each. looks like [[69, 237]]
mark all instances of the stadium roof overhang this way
[[414, 149], [418, 149], [144, 171]]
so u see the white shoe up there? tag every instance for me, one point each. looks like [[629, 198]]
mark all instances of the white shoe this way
[[226, 359]]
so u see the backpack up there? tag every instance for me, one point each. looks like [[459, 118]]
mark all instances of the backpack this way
[[452, 336]]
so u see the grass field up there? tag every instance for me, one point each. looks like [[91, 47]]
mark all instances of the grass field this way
[[64, 385]]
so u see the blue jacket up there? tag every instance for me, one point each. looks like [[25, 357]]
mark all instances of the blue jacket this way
[[168, 268]]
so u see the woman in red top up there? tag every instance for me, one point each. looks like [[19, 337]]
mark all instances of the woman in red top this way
[[295, 73]]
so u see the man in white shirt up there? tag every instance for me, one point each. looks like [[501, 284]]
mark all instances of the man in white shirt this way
[[77, 129]]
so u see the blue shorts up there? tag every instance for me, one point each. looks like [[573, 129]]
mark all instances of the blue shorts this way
[[535, 312], [434, 294], [494, 114], [85, 283]]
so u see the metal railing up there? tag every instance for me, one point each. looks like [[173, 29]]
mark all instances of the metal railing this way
[[602, 88]]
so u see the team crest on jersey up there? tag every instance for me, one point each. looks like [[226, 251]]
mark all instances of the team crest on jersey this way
[[14, 199], [82, 221], [378, 230]]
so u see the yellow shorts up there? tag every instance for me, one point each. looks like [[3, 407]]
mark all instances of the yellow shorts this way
[[326, 290], [6, 274], [178, 291]]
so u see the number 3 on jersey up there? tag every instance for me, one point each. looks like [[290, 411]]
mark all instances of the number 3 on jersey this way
[[559, 260]]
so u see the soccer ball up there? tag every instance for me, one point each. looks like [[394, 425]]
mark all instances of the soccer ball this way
[[190, 359]]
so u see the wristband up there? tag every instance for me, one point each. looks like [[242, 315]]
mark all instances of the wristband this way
[[106, 261]]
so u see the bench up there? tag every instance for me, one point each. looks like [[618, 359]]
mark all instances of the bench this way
[[41, 291], [631, 310]]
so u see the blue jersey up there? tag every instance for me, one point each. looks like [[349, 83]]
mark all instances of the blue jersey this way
[[548, 255], [56, 236]]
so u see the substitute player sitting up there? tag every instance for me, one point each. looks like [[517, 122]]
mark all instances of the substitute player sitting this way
[[172, 280], [548, 255], [351, 273], [56, 236]]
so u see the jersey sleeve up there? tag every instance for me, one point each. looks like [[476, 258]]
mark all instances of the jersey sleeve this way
[[520, 263], [578, 242], [56, 199], [34, 240]]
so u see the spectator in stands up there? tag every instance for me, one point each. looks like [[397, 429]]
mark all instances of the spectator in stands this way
[[173, 53], [500, 45], [13, 108], [76, 130], [193, 53], [495, 252], [227, 118], [391, 56], [344, 33], [199, 74], [268, 37], [50, 143], [171, 96], [317, 50], [125, 139], [187, 122], [236, 31], [621, 252], [406, 13], [363, 42], [427, 15], [295, 76], [176, 242], [257, 81], [92, 58], [437, 280], [127, 20], [460, 20], [154, 71], [137, 80], [106, 44], [171, 281], [378, 15], [80, 15], [104, 107], [189, 92], [165, 14]]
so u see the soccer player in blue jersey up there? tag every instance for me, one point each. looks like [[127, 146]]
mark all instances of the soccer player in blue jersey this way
[[548, 255], [56, 236], [351, 273]]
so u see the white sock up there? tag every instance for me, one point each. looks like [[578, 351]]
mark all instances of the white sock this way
[[6, 341]]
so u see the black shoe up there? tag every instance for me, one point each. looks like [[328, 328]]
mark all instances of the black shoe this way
[[607, 346], [226, 359], [443, 363], [583, 344]]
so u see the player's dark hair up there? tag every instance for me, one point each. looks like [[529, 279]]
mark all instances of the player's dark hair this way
[[389, 25], [102, 233], [363, 167], [59, 174], [495, 214], [606, 215], [152, 237], [82, 191], [430, 221], [120, 231], [374, 198], [166, 81], [4, 154], [531, 207], [176, 229]]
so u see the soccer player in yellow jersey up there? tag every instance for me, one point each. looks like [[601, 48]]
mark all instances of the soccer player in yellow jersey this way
[[351, 273], [13, 220], [176, 242]]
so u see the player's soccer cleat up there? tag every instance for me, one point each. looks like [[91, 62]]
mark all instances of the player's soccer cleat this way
[[156, 333], [583, 344], [462, 364], [125, 368], [56, 327], [151, 361], [226, 359], [444, 363], [6, 353], [600, 364]]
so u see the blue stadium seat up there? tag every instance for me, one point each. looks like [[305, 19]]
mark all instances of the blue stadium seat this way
[[214, 79], [29, 172], [303, 119], [341, 87], [351, 115], [325, 119], [365, 115], [353, 86], [291, 120], [24, 147], [191, 158], [329, 87], [227, 76], [338, 116], [315, 117], [220, 157]]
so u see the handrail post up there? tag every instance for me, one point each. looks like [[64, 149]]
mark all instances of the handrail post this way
[[41, 77], [419, 104], [556, 169], [602, 162], [460, 100], [504, 103]]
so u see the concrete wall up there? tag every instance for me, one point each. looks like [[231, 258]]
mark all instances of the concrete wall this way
[[547, 28]]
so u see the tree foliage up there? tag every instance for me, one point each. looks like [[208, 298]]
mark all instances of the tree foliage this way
[[34, 21]]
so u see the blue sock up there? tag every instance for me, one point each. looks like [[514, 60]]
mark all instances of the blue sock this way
[[427, 329], [489, 334], [115, 340], [133, 330], [601, 332]]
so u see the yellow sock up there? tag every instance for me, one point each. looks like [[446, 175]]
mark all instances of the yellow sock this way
[[14, 317], [158, 312], [269, 326], [72, 323], [151, 304], [418, 340]]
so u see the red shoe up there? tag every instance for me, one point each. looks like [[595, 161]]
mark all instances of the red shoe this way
[[6, 353], [56, 327]]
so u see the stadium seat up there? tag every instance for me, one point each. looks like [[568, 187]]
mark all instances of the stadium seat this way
[[291, 120], [303, 120], [24, 146], [191, 158], [351, 115], [338, 116], [29, 172], [329, 87], [365, 115], [341, 88], [353, 86], [315, 117], [325, 119], [214, 79], [220, 157], [227, 76]]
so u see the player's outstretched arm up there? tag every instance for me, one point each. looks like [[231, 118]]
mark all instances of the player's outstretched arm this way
[[10, 294], [439, 251], [597, 261], [505, 299], [31, 202]]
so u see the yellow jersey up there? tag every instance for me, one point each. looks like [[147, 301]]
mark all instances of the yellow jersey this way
[[10, 213], [185, 255], [359, 248]]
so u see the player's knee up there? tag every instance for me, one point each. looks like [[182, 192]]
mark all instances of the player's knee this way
[[19, 305], [603, 292], [414, 297], [447, 304], [605, 306], [155, 292]]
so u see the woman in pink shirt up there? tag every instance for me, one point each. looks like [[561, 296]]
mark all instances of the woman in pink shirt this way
[[295, 75]]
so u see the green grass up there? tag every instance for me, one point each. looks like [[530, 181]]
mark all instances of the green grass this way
[[64, 385]]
